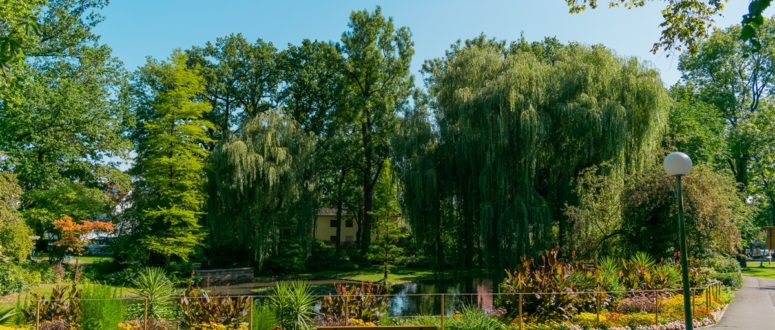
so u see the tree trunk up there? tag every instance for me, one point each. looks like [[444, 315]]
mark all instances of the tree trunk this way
[[339, 207]]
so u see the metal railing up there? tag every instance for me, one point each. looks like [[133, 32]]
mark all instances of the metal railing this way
[[448, 304]]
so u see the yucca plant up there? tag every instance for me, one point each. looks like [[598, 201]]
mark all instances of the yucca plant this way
[[293, 305], [7, 316], [153, 285]]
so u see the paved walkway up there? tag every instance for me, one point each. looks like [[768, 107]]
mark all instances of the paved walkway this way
[[753, 307]]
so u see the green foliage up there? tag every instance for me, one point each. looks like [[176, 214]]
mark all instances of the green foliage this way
[[7, 315], [241, 80], [686, 22], [713, 213], [264, 318], [153, 286], [515, 126], [366, 302], [199, 307], [293, 305], [102, 307], [169, 194], [19, 17], [14, 278], [15, 242], [538, 282], [390, 229], [734, 76], [378, 84], [63, 306], [474, 319], [264, 202]]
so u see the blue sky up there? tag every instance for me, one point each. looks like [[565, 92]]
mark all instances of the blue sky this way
[[139, 28]]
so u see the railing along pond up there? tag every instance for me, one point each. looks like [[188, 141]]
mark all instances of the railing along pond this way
[[446, 310]]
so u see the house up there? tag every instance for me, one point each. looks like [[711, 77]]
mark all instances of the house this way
[[325, 227]]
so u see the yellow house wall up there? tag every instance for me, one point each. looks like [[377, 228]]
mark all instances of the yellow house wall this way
[[324, 231]]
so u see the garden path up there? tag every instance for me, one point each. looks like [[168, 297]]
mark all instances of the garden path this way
[[753, 307]]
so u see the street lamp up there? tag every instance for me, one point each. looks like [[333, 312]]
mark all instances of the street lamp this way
[[678, 164]]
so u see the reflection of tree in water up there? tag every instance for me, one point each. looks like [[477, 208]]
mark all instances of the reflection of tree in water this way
[[412, 299]]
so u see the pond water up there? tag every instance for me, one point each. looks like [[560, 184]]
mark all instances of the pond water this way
[[407, 299], [423, 298]]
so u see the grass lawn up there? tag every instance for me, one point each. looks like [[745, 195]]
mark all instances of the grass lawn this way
[[754, 270]]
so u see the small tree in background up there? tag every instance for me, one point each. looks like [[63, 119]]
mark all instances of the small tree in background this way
[[389, 229], [72, 238]]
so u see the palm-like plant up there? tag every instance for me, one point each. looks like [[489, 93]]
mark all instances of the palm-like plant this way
[[6, 316], [293, 305], [153, 285]]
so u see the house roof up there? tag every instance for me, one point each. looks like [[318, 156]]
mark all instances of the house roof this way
[[329, 211]]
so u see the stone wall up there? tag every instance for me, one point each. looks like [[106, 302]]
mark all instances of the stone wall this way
[[224, 276]]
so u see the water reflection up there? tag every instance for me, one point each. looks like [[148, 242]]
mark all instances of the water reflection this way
[[423, 298]]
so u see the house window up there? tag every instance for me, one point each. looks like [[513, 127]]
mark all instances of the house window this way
[[348, 223], [333, 223], [348, 239], [333, 239]]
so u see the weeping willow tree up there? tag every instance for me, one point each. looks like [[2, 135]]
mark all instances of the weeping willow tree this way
[[489, 173], [262, 203]]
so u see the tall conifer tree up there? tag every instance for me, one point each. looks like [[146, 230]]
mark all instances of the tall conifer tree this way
[[169, 168]]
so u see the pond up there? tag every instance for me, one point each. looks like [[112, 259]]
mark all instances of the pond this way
[[407, 299]]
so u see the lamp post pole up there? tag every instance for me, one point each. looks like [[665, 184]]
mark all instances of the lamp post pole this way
[[678, 164], [684, 259]]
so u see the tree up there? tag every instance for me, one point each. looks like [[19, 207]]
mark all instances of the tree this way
[[687, 22], [169, 168], [63, 115], [516, 125], [15, 242], [264, 206], [241, 80], [19, 18], [71, 234], [714, 214], [737, 79], [389, 230], [376, 68], [315, 96]]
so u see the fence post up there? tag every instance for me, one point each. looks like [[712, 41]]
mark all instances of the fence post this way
[[443, 311], [520, 312], [656, 307], [145, 315], [346, 312], [692, 292], [707, 298], [597, 306], [37, 315], [250, 317]]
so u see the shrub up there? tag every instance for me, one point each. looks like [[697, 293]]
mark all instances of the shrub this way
[[366, 302], [102, 307], [474, 319], [197, 307], [732, 280], [540, 283], [634, 320], [153, 285], [293, 305], [639, 303]]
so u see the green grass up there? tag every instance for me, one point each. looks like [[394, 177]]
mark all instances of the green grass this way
[[768, 271], [397, 275]]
